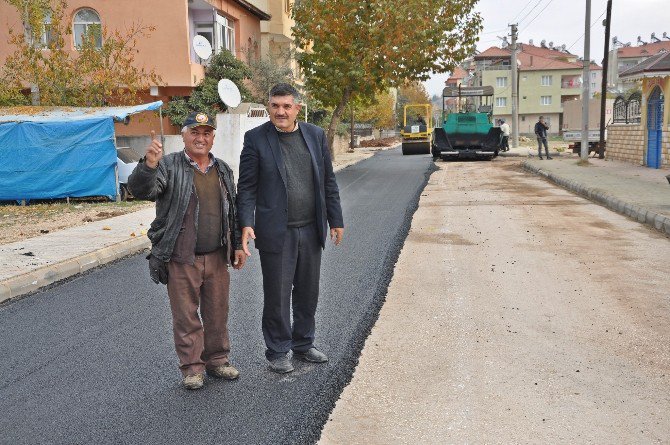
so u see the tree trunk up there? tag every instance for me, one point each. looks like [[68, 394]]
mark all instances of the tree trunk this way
[[337, 114]]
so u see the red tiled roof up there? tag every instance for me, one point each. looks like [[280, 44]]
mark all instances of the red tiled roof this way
[[648, 49], [458, 73], [493, 51], [660, 63], [535, 58]]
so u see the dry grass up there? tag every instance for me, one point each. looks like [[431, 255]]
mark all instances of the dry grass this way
[[21, 222]]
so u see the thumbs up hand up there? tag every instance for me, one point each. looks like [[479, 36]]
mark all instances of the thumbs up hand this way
[[154, 152]]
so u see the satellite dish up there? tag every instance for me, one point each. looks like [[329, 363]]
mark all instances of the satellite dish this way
[[229, 93], [202, 47]]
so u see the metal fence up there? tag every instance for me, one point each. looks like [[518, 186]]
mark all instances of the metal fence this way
[[627, 111]]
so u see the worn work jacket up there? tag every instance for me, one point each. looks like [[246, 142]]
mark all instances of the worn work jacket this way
[[170, 185]]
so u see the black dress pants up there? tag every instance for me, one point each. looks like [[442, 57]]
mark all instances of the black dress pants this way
[[291, 281]]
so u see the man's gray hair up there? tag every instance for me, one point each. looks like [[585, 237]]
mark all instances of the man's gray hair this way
[[184, 129], [284, 89]]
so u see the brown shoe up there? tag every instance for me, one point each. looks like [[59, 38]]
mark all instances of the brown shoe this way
[[193, 381], [225, 371]]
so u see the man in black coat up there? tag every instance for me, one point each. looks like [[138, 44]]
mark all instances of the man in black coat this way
[[541, 128], [287, 199]]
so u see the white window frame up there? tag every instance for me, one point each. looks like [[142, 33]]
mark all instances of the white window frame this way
[[545, 100], [77, 35], [501, 102], [204, 29], [546, 80], [224, 34], [45, 38], [501, 82]]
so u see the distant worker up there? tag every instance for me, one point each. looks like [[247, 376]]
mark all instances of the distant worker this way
[[420, 120], [541, 128], [504, 127]]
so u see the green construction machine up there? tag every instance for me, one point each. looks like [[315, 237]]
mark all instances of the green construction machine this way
[[417, 129], [466, 131]]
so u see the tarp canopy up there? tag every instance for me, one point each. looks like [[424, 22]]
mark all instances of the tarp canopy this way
[[60, 152]]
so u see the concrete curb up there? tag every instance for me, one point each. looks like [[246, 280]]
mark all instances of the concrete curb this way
[[641, 214], [44, 276]]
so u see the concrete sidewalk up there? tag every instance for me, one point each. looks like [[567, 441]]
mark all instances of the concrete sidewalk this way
[[638, 192], [30, 264]]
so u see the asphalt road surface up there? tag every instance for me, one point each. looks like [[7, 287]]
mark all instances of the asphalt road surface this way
[[92, 360]]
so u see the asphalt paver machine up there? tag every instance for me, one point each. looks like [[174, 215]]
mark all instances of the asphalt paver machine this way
[[467, 130]]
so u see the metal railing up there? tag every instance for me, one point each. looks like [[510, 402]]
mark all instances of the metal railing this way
[[627, 111]]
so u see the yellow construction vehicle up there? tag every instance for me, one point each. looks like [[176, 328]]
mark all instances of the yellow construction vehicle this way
[[417, 129]]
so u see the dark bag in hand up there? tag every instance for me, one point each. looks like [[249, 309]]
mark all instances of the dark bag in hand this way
[[157, 270]]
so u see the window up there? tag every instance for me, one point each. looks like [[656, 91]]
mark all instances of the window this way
[[545, 100], [225, 33], [87, 22], [593, 86], [220, 34], [287, 6], [47, 37], [501, 101], [593, 76], [501, 81], [206, 30], [546, 81]]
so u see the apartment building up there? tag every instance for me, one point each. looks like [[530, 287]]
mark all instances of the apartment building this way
[[229, 25], [624, 56], [276, 35], [547, 77]]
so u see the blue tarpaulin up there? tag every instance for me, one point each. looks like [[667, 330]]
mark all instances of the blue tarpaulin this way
[[60, 153]]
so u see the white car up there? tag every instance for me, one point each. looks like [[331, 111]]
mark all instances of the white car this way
[[126, 160]]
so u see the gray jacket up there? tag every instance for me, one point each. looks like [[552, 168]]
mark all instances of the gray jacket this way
[[171, 185]]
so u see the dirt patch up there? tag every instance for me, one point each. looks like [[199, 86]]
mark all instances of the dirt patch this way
[[21, 222], [385, 142]]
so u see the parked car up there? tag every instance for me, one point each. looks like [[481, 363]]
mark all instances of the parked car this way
[[126, 160]]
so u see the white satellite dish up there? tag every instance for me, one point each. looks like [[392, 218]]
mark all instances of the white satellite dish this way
[[229, 93], [202, 47]]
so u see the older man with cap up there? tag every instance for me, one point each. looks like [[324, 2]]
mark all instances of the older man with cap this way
[[194, 238]]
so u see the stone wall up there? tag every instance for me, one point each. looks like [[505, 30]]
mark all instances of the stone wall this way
[[625, 142]]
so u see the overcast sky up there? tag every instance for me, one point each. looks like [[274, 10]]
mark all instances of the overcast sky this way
[[562, 22]]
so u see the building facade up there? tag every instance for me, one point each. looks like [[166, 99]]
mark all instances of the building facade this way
[[624, 57], [227, 24], [547, 77]]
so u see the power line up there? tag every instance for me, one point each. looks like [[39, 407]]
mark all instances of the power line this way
[[519, 13], [538, 14], [582, 36], [529, 12]]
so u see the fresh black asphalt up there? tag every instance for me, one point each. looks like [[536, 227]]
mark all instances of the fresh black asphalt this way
[[91, 360]]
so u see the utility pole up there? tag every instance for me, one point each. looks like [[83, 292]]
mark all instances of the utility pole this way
[[515, 92], [586, 92], [603, 86]]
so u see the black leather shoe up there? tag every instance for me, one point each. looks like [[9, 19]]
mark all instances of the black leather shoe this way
[[541, 158], [549, 157], [280, 365], [312, 355]]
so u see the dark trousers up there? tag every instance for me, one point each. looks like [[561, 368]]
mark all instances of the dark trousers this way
[[540, 142], [205, 284], [291, 280], [505, 143]]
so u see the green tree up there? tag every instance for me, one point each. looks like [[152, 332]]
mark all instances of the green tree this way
[[265, 73], [356, 48], [380, 112], [410, 93], [94, 75], [205, 97]]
